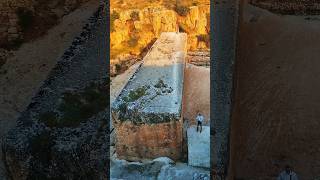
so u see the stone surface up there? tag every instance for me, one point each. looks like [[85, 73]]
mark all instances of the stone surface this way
[[199, 146], [36, 149], [154, 169], [275, 119], [154, 94], [135, 35], [292, 7], [148, 110], [135, 142], [225, 26], [9, 18], [196, 95]]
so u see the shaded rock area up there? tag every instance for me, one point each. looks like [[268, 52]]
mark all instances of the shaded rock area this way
[[225, 20], [160, 168], [4, 54], [25, 20], [275, 120], [60, 135], [199, 58], [292, 7]]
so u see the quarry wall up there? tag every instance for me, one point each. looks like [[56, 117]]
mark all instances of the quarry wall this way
[[196, 95]]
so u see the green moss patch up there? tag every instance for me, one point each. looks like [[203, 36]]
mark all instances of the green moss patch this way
[[136, 94]]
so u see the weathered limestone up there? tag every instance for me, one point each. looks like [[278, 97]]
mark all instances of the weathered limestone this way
[[196, 94], [147, 115], [10, 29], [199, 146], [37, 149]]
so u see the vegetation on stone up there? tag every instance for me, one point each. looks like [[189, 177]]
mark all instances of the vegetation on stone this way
[[160, 84], [133, 41], [76, 107], [136, 94], [204, 38], [114, 15], [135, 16], [182, 10]]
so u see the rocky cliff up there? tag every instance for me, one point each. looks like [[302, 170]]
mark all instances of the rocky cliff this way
[[134, 30]]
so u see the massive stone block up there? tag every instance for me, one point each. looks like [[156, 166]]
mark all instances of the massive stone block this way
[[147, 115]]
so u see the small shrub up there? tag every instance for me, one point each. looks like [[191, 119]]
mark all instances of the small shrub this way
[[136, 94], [49, 118], [195, 3], [182, 10], [182, 28], [135, 16], [77, 107], [204, 38], [118, 68], [25, 18], [113, 16], [133, 41]]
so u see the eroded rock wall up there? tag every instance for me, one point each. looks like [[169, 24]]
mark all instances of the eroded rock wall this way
[[133, 31], [134, 142]]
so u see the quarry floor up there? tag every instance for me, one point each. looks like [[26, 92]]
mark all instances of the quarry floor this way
[[28, 67], [276, 112]]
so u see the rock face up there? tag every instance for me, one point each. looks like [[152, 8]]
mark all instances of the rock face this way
[[147, 115], [297, 7], [133, 31], [196, 95], [60, 136], [135, 142]]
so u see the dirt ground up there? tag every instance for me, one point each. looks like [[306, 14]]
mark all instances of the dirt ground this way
[[276, 114], [30, 65]]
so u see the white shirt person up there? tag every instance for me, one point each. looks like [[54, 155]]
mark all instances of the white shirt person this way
[[199, 119]]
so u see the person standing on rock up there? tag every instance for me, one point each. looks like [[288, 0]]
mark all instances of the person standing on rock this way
[[199, 119], [287, 174]]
